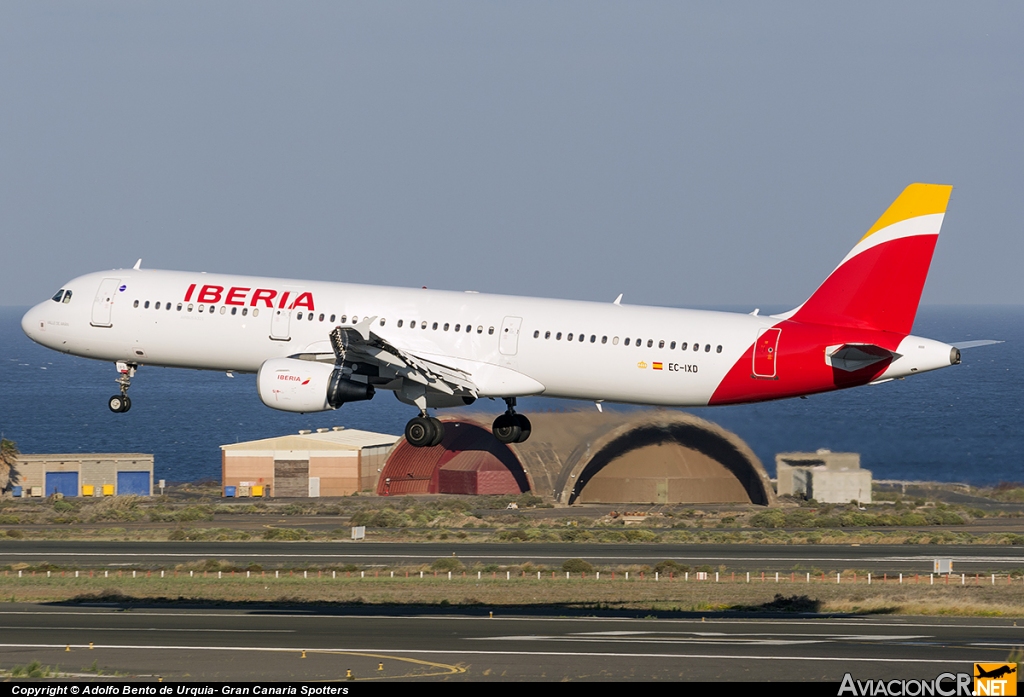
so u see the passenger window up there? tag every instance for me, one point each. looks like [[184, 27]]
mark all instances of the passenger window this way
[[569, 337], [179, 308], [382, 321], [201, 307], [650, 343], [255, 312], [682, 346], [434, 326], [696, 347], [167, 305], [309, 316], [67, 297], [480, 329], [469, 328], [245, 311], [707, 348], [558, 336], [344, 319], [234, 311], [297, 316], [446, 326], [719, 349], [615, 341], [423, 325], [672, 345], [58, 295], [355, 320], [458, 327], [536, 334], [627, 341], [332, 319], [491, 330], [157, 306], [190, 308], [135, 304], [146, 305], [604, 340], [321, 317], [593, 338], [399, 324], [661, 344], [224, 308]]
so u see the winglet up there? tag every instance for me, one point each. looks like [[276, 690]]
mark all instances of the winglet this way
[[138, 265], [618, 300]]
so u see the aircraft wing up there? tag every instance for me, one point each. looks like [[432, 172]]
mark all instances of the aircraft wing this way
[[359, 344]]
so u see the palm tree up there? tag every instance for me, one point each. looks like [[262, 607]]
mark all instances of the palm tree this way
[[8, 459]]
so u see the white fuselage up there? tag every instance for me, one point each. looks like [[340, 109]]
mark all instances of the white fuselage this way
[[537, 357]]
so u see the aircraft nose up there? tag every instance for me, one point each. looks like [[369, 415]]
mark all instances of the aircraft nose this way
[[32, 323]]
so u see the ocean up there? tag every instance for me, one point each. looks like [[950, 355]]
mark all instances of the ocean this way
[[960, 424]]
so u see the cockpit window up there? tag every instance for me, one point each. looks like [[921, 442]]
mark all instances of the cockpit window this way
[[56, 298], [67, 297]]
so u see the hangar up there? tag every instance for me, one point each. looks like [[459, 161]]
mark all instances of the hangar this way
[[84, 474], [643, 456]]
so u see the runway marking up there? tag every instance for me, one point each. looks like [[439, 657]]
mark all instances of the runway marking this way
[[153, 629], [717, 638], [247, 614], [445, 668], [397, 653]]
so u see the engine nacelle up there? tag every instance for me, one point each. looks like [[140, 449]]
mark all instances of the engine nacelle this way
[[290, 384]]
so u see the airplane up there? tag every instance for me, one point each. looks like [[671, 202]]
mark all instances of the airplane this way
[[317, 345]]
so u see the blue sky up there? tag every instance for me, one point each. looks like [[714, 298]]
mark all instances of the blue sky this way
[[685, 154]]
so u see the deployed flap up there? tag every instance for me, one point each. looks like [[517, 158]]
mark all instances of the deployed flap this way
[[360, 344], [854, 357], [974, 344]]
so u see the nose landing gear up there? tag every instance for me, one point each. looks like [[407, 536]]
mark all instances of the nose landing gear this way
[[121, 403], [511, 427]]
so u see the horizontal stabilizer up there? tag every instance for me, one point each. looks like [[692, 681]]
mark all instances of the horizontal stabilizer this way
[[974, 344], [853, 357]]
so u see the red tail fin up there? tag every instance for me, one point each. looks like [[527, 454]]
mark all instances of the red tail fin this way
[[878, 285]]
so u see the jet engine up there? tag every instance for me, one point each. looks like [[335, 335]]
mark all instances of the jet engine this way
[[290, 384]]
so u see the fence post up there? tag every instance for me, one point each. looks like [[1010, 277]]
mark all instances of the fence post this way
[[869, 578], [748, 577], [931, 579], [837, 576], [776, 576], [808, 576], [716, 577], [449, 575]]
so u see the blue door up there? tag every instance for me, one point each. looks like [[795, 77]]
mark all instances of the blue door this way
[[133, 483], [65, 483]]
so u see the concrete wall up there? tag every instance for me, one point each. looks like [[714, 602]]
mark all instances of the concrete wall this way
[[840, 487]]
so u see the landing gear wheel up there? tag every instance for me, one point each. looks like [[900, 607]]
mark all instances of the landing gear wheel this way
[[506, 428], [116, 404], [438, 431], [127, 404], [420, 432], [524, 428]]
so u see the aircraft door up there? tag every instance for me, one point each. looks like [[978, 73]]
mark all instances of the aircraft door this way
[[280, 325], [508, 344], [103, 303], [766, 352]]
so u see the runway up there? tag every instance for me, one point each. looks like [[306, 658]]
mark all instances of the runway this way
[[269, 644], [877, 559]]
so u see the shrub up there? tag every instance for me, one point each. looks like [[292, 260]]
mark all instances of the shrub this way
[[285, 534], [447, 564], [668, 566], [768, 519], [575, 535], [577, 566]]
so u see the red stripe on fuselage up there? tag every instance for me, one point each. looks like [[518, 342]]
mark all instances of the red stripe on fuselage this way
[[800, 364]]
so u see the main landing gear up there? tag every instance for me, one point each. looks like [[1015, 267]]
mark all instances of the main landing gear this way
[[121, 403], [424, 431], [511, 427]]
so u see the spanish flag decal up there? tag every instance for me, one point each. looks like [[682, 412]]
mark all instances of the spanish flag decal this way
[[657, 366]]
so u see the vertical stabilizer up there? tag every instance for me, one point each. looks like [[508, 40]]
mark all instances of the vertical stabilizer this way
[[878, 285]]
